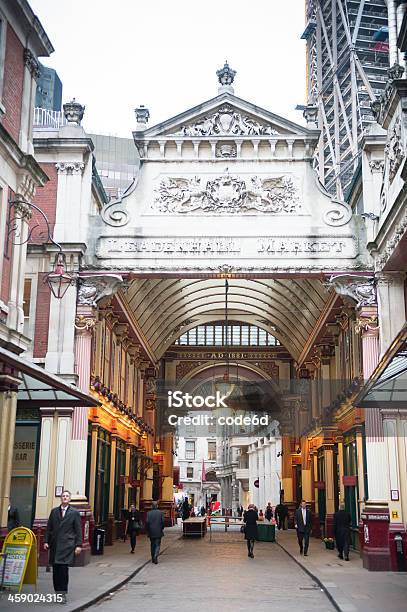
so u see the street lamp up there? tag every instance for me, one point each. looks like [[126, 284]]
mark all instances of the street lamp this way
[[19, 210], [59, 280]]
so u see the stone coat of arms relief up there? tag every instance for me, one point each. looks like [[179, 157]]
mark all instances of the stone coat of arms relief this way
[[227, 122], [227, 194]]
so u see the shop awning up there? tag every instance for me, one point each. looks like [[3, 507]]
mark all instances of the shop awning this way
[[39, 388], [387, 388]]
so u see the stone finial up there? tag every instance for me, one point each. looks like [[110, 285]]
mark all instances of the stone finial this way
[[395, 72], [310, 114], [226, 76], [73, 112], [142, 116]]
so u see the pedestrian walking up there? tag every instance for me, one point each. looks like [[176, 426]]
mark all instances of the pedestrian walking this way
[[185, 509], [303, 525], [13, 517], [250, 518], [240, 511], [281, 514], [261, 515], [63, 539], [133, 526], [203, 510], [269, 512], [155, 530], [342, 526]]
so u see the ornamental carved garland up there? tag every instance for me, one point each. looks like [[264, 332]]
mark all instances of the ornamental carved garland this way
[[226, 122], [227, 194], [394, 149]]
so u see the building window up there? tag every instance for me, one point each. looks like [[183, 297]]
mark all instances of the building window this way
[[211, 450], [190, 449], [27, 305], [212, 428], [239, 334], [190, 472]]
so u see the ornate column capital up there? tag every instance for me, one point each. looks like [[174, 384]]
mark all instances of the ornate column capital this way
[[386, 279], [84, 323], [25, 187], [70, 168], [376, 165], [359, 289], [121, 331], [22, 209], [31, 62], [93, 288], [367, 325]]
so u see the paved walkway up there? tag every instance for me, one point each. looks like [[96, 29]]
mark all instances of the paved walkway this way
[[200, 575], [353, 588]]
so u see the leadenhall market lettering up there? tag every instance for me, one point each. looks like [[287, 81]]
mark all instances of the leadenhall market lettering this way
[[321, 246]]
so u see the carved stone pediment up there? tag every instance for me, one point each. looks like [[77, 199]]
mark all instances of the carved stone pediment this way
[[226, 121], [228, 194]]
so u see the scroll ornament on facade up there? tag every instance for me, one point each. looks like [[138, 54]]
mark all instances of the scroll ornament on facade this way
[[114, 213], [227, 122], [228, 194]]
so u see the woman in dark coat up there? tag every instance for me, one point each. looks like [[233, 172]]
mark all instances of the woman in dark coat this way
[[133, 525], [250, 517], [186, 509]]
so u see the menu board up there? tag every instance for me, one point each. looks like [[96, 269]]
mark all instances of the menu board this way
[[16, 560]]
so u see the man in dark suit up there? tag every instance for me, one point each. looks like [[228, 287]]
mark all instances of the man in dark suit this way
[[13, 518], [155, 530], [303, 525], [342, 525], [63, 538]]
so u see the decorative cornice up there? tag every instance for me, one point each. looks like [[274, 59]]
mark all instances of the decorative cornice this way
[[381, 107], [392, 242]]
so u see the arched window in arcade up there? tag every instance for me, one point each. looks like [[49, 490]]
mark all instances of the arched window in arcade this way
[[239, 334]]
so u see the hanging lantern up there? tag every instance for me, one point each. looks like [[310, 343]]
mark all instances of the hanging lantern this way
[[58, 280]]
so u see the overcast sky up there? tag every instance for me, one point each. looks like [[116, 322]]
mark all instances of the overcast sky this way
[[114, 55]]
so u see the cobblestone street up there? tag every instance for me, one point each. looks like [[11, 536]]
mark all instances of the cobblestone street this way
[[202, 575]]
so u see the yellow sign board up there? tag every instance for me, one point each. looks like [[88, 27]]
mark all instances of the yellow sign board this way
[[394, 514], [19, 558]]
